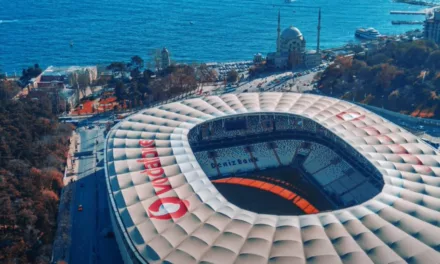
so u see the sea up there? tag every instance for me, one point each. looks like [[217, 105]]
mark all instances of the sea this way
[[86, 32]]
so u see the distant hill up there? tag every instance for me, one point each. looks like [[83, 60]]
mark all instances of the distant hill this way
[[400, 76]]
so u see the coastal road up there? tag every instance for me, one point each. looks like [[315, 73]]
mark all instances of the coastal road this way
[[91, 239]]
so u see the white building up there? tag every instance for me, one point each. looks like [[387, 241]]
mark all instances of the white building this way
[[165, 58], [432, 27], [258, 58], [312, 58], [291, 50]]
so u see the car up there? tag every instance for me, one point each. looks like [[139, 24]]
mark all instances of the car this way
[[110, 234], [80, 208], [91, 127]]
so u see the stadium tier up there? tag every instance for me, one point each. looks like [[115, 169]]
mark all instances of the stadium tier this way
[[162, 164]]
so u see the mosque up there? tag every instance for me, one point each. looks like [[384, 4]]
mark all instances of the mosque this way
[[291, 49]]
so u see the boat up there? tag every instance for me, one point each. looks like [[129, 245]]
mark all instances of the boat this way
[[367, 33]]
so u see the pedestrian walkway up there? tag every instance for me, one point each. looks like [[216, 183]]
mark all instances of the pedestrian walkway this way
[[61, 246], [71, 174]]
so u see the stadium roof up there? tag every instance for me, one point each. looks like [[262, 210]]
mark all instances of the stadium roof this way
[[172, 212]]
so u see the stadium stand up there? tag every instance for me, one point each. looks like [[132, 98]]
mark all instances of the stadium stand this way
[[319, 157], [286, 150], [265, 157]]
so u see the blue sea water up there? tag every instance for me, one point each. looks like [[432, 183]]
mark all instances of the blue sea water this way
[[109, 30]]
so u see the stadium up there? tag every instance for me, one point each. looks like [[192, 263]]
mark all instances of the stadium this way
[[271, 178]]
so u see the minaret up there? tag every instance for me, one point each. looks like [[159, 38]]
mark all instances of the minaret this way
[[319, 30], [279, 32], [165, 58]]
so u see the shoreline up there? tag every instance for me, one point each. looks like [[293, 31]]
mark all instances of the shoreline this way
[[417, 2], [215, 64]]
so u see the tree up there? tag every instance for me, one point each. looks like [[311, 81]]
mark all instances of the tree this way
[[117, 67], [386, 75], [232, 76], [30, 73], [8, 89], [28, 208], [135, 74], [416, 56], [120, 91], [433, 60], [7, 214], [357, 48], [204, 74], [136, 63]]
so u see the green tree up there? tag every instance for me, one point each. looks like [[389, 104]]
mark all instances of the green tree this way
[[433, 60], [117, 67], [204, 74], [30, 73], [120, 91], [136, 63], [416, 56], [232, 76]]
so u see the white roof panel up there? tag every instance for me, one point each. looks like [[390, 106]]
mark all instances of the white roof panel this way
[[167, 204]]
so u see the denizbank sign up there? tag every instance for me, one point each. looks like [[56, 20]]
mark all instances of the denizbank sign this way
[[231, 163]]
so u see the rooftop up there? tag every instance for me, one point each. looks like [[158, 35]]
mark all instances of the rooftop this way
[[63, 71], [190, 221]]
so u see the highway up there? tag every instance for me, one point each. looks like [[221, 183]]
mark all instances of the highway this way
[[91, 237]]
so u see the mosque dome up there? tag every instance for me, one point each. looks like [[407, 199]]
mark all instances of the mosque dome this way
[[291, 33]]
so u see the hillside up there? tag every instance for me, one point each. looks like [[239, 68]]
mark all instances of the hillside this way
[[400, 76], [33, 146]]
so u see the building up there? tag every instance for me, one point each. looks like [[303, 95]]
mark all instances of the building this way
[[59, 84], [66, 77], [258, 58], [431, 29], [68, 99], [165, 209], [291, 49], [312, 58], [165, 58]]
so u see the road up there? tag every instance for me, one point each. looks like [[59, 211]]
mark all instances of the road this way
[[90, 240]]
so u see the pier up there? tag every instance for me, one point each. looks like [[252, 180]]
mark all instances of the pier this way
[[417, 2], [407, 13], [403, 22]]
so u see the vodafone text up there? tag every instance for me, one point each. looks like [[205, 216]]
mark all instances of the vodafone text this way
[[166, 207]]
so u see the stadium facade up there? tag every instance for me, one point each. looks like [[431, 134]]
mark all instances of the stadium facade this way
[[165, 208]]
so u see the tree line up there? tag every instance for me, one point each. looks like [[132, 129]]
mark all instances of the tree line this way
[[33, 147], [138, 85], [400, 76]]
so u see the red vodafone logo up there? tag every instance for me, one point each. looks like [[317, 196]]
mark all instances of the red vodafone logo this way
[[350, 116], [163, 208], [167, 208]]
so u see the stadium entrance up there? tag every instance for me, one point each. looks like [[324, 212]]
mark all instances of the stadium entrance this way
[[302, 167]]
